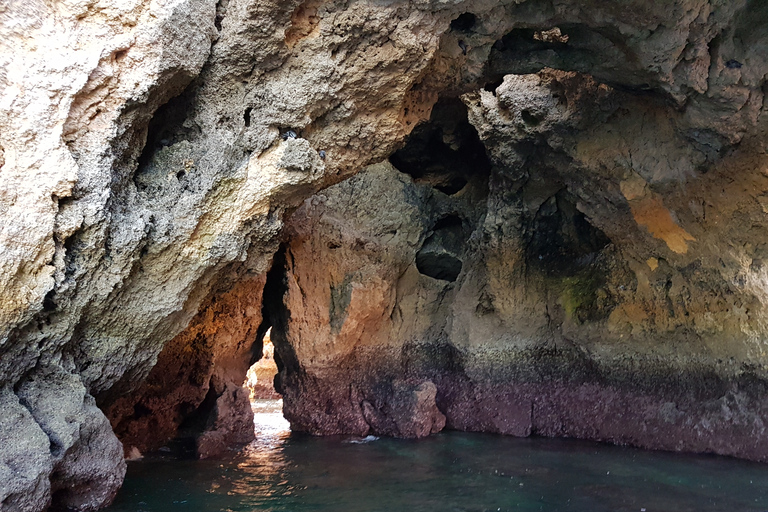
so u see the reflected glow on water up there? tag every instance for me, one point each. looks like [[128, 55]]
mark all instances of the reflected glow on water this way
[[450, 471], [269, 423]]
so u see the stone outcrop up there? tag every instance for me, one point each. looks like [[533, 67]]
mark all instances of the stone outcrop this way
[[368, 230], [122, 218], [610, 246], [196, 388], [564, 286]]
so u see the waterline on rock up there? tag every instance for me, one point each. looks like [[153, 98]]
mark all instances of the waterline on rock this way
[[283, 471]]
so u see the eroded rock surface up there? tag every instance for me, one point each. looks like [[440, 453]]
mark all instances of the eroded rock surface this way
[[120, 221], [196, 385], [574, 296], [613, 240]]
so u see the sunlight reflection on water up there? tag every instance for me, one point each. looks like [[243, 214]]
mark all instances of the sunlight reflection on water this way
[[268, 420], [285, 472]]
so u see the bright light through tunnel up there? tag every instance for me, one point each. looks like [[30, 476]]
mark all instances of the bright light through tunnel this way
[[266, 403]]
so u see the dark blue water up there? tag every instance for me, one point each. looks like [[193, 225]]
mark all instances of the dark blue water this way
[[447, 472]]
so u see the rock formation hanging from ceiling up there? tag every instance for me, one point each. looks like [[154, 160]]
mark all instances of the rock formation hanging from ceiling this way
[[600, 273]]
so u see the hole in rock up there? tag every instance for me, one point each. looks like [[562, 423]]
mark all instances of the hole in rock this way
[[452, 186], [260, 379], [529, 118], [49, 301], [269, 353], [438, 265], [275, 316], [169, 125], [439, 256], [247, 116], [141, 411], [532, 39], [449, 222], [492, 86], [221, 12], [464, 22], [529, 50], [445, 152], [266, 403]]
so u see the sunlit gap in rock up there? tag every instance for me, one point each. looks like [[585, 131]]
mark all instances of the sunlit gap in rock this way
[[269, 424]]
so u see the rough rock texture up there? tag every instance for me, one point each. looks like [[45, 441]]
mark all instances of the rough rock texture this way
[[144, 179], [197, 383], [586, 293], [119, 220], [410, 412], [339, 308]]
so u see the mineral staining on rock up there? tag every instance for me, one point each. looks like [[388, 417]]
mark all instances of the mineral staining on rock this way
[[600, 274], [566, 315]]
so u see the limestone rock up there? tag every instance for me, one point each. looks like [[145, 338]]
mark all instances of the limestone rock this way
[[260, 380], [196, 385], [587, 302], [144, 179], [231, 423], [26, 464], [87, 457]]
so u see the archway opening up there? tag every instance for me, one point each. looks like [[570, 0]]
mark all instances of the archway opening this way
[[266, 402]]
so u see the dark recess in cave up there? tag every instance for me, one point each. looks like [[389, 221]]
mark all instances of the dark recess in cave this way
[[438, 265], [439, 257], [561, 240], [444, 152], [247, 116], [600, 52], [449, 222], [196, 421], [49, 302], [276, 315], [221, 12], [464, 23], [529, 118], [519, 52], [493, 85], [141, 411], [167, 126]]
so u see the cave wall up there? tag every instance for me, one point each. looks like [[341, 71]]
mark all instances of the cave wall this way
[[594, 298], [195, 390], [142, 158], [144, 176]]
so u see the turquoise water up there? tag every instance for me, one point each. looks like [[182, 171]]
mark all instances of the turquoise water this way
[[448, 472]]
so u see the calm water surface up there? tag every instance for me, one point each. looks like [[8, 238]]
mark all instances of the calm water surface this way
[[447, 472]]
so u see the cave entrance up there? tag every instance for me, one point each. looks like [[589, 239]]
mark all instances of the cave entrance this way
[[266, 402], [260, 379]]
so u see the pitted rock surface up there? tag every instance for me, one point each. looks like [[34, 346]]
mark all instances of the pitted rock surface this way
[[145, 181]]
